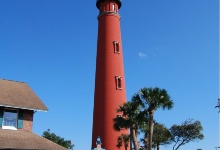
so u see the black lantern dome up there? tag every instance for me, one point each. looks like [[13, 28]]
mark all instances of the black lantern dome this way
[[98, 2]]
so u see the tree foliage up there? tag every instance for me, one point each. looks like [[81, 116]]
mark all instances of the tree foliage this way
[[131, 118], [188, 131], [152, 99], [138, 116], [123, 140], [57, 139], [138, 113], [161, 135]]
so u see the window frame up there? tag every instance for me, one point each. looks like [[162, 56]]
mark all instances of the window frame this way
[[118, 80], [116, 47], [113, 7], [16, 119]]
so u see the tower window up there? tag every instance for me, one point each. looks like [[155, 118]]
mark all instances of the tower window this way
[[116, 47], [119, 115], [118, 81], [113, 7]]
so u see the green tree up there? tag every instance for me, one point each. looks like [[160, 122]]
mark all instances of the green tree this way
[[123, 140], [188, 131], [151, 99], [57, 139], [161, 136], [130, 118]]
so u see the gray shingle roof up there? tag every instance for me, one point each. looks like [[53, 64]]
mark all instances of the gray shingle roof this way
[[25, 140], [19, 95]]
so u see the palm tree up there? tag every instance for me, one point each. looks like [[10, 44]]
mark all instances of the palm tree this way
[[123, 140], [131, 118], [152, 99]]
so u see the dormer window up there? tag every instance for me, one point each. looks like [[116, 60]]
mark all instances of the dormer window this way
[[10, 119], [116, 47], [118, 81]]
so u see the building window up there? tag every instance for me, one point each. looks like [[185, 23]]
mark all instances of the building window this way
[[10, 119], [118, 81], [116, 47]]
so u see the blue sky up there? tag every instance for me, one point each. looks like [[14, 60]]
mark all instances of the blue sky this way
[[172, 44]]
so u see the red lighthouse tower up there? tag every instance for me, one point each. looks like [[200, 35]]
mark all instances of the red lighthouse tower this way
[[110, 89]]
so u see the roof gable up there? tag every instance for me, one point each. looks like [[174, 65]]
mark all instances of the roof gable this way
[[19, 139], [19, 95]]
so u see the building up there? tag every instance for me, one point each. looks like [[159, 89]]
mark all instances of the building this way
[[110, 91], [18, 103]]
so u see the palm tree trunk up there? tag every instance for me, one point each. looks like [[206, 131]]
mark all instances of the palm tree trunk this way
[[151, 126], [134, 138], [146, 141], [158, 146], [131, 140]]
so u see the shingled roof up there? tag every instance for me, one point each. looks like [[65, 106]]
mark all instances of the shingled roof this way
[[19, 95], [25, 140]]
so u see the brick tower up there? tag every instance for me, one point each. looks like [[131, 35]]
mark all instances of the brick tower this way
[[110, 89]]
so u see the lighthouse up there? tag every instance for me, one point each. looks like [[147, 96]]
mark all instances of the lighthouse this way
[[110, 91]]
